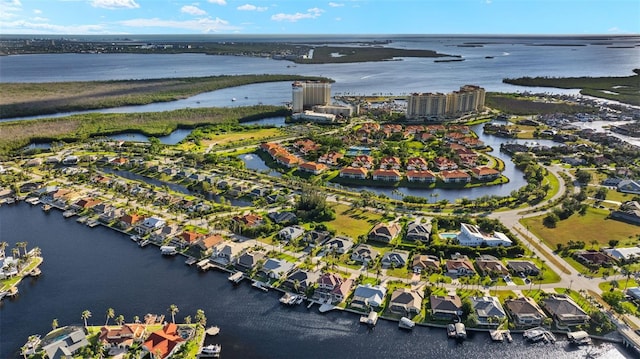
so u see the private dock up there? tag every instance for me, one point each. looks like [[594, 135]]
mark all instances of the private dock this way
[[46, 207], [260, 285], [93, 223], [500, 335], [205, 265], [236, 277], [371, 319], [190, 261], [32, 200], [144, 243], [69, 213], [213, 331]]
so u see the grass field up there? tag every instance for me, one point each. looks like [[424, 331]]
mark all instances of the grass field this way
[[353, 222], [223, 139], [594, 225]]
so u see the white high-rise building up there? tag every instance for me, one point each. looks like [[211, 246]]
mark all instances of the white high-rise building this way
[[310, 93], [422, 105]]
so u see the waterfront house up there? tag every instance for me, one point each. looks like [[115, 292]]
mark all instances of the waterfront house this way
[[112, 215], [485, 173], [395, 259], [149, 225], [488, 310], [122, 336], [301, 280], [419, 229], [166, 232], [276, 268], [425, 262], [84, 204], [288, 160], [455, 176], [421, 176], [228, 252], [564, 310], [129, 220], [206, 243], [460, 266], [471, 235], [405, 301], [386, 175], [249, 260], [524, 311], [491, 266], [8, 266], [339, 245], [163, 342], [417, 164], [188, 238], [316, 238], [102, 208], [313, 167], [523, 268], [283, 217], [368, 296], [68, 341], [332, 287], [385, 232], [445, 307], [290, 233], [354, 172], [364, 254]]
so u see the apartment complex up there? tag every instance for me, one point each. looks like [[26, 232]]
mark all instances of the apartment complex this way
[[438, 105], [310, 93]]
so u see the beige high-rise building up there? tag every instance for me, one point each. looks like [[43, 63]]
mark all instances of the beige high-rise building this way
[[310, 93], [469, 98]]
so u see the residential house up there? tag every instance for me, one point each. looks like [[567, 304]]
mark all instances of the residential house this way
[[565, 311], [206, 243], [163, 342], [485, 173], [390, 163], [386, 175], [594, 258], [129, 220], [459, 267], [288, 160], [405, 301], [290, 233], [332, 287], [123, 336], [66, 344], [8, 266], [629, 186], [84, 204], [624, 253], [395, 259], [338, 245], [491, 266], [523, 268], [364, 254], [312, 167], [385, 232], [445, 307], [471, 235], [301, 280], [330, 158], [419, 229], [421, 176], [149, 225], [488, 311], [425, 137], [362, 161], [249, 260], [354, 172], [425, 262], [316, 238], [227, 252], [524, 311], [283, 217], [417, 164], [189, 238], [444, 164], [112, 215], [368, 296], [249, 220], [455, 176], [276, 268], [102, 208], [306, 146], [629, 212]]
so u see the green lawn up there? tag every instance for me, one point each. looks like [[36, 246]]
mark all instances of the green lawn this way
[[352, 222]]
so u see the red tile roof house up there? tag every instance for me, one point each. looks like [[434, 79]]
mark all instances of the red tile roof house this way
[[443, 163], [123, 336], [417, 163], [288, 160], [384, 232], [355, 173], [312, 167], [330, 158], [455, 176], [421, 176], [365, 161], [164, 342], [189, 238], [207, 243], [249, 220], [306, 146], [129, 220], [386, 175], [425, 137], [485, 173], [390, 162], [460, 267], [332, 287], [85, 203]]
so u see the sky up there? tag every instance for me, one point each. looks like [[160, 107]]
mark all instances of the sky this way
[[478, 17]]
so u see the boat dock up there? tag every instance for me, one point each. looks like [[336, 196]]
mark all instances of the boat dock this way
[[168, 250], [236, 277], [144, 243], [260, 285], [46, 207], [32, 200], [205, 265], [93, 223], [579, 338], [69, 213], [213, 331], [538, 334], [190, 261], [406, 323], [371, 319], [500, 335]]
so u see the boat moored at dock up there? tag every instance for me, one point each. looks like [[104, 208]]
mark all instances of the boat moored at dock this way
[[451, 330], [406, 323], [538, 334], [260, 285], [236, 277], [168, 250], [461, 331], [211, 351], [371, 319], [579, 338]]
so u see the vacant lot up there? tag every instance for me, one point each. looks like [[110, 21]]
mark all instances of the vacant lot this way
[[353, 222]]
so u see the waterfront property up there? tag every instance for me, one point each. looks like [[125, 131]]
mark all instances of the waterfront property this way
[[368, 296], [446, 307], [333, 288], [524, 311], [64, 342], [405, 301], [565, 311], [163, 342], [488, 311]]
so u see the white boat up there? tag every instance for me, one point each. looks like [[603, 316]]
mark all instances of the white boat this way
[[538, 334], [212, 350], [32, 200], [168, 250], [135, 238], [406, 323], [290, 299], [461, 331], [260, 285], [579, 338], [451, 331], [233, 99]]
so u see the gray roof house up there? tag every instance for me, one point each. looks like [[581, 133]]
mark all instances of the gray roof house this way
[[339, 245], [316, 238], [248, 260], [629, 186], [364, 254], [565, 311], [276, 268], [523, 267], [488, 310], [445, 307], [67, 344], [366, 296], [304, 279], [283, 217], [405, 301], [525, 311], [395, 258], [417, 231], [290, 233]]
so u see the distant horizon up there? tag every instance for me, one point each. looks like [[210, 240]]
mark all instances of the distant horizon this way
[[188, 17], [328, 35]]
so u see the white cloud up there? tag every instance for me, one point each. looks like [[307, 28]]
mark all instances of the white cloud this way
[[192, 10], [204, 25], [40, 19], [335, 4], [219, 2], [26, 27], [37, 11], [310, 14], [338, 19], [115, 4], [9, 9], [249, 7]]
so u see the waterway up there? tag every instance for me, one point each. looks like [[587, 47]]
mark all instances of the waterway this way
[[95, 269]]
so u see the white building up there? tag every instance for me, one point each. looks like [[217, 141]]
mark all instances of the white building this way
[[314, 117], [310, 93], [470, 235]]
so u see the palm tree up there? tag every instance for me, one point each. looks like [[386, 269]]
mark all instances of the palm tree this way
[[86, 314], [54, 323], [110, 314], [173, 309], [120, 319], [136, 319], [3, 246], [22, 245], [200, 317], [187, 319]]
